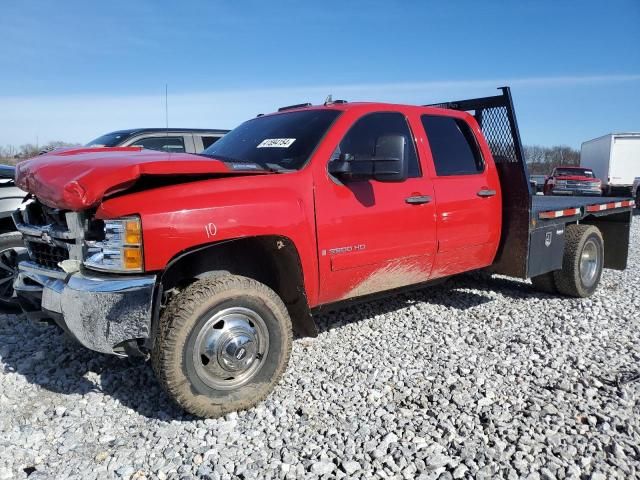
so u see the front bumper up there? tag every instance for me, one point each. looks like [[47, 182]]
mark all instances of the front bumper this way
[[101, 312]]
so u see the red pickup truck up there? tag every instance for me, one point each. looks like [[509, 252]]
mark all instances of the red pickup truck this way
[[209, 262], [572, 181]]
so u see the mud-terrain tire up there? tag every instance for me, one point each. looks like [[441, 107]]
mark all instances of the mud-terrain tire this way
[[545, 283], [208, 335], [12, 250], [582, 262]]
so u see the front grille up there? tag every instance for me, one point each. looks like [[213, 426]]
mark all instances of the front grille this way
[[577, 185], [37, 213], [50, 235], [47, 255]]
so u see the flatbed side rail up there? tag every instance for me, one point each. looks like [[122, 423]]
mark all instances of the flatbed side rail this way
[[594, 208], [497, 119]]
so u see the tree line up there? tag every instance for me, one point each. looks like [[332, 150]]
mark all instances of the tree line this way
[[10, 154], [540, 160]]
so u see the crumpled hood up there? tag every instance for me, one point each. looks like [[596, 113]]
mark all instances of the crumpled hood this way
[[79, 178]]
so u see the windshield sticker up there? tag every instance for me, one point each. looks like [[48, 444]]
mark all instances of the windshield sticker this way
[[276, 143]]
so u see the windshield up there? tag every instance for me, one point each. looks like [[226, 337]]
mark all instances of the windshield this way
[[564, 172], [109, 140], [282, 141]]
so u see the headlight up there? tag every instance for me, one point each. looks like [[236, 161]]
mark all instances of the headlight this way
[[121, 249]]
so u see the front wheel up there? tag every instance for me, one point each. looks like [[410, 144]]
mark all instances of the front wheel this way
[[222, 345], [582, 262]]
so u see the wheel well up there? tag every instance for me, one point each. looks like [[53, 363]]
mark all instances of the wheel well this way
[[272, 260]]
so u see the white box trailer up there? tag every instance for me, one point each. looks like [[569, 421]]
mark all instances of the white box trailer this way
[[614, 159]]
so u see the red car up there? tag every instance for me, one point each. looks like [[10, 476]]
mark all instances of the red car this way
[[208, 263], [572, 181]]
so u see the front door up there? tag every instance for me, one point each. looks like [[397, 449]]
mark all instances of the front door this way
[[374, 235]]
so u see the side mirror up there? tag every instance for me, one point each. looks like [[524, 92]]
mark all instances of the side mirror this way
[[386, 165]]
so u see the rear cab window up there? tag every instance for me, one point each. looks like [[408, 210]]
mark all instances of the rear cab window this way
[[454, 148], [568, 172]]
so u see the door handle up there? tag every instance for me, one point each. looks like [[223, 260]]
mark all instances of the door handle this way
[[418, 199], [486, 193]]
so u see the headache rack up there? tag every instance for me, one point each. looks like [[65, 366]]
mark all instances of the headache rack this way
[[497, 120]]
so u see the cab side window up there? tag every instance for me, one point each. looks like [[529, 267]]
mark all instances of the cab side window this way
[[362, 138], [164, 144], [453, 146]]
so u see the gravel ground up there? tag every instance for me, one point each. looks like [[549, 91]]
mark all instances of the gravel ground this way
[[478, 377]]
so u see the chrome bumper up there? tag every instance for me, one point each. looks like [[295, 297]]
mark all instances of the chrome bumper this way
[[99, 311]]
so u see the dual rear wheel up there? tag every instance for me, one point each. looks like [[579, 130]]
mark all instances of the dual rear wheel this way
[[582, 264]]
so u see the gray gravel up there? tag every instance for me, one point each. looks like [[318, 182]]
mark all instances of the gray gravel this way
[[477, 378]]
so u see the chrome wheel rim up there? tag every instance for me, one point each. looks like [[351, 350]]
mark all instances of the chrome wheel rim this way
[[9, 271], [589, 263], [230, 348]]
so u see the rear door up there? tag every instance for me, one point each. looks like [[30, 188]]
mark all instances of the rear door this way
[[373, 235], [467, 193]]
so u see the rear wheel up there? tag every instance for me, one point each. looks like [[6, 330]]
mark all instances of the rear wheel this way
[[223, 344], [12, 251], [582, 262]]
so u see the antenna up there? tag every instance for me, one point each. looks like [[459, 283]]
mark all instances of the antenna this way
[[166, 105]]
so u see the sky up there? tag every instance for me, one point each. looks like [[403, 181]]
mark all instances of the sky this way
[[74, 70]]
